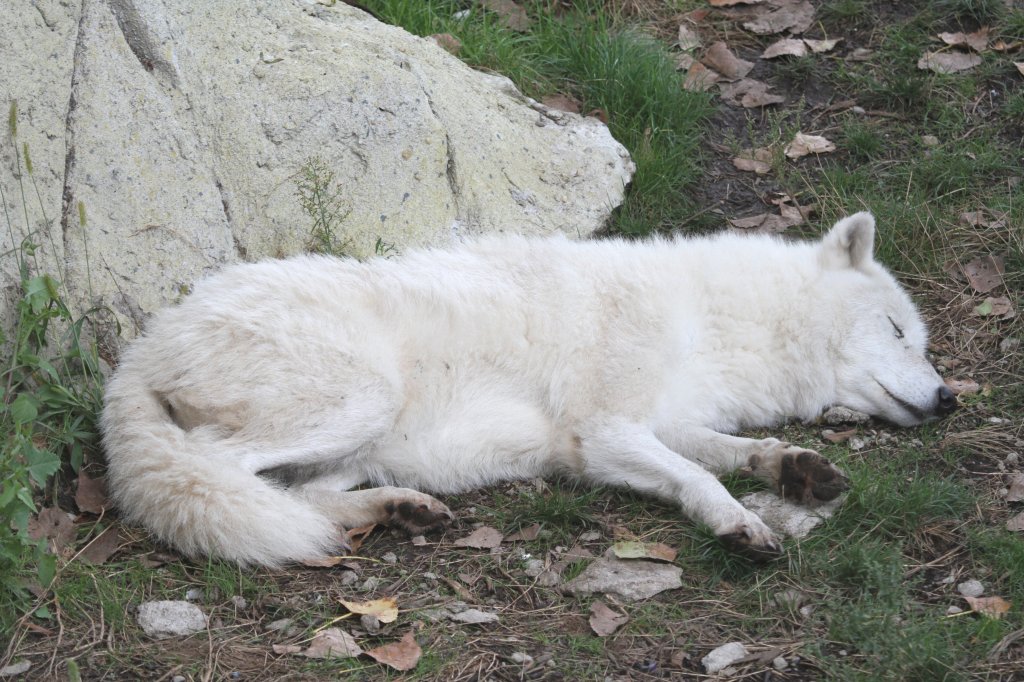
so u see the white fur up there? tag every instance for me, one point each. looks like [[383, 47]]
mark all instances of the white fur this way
[[619, 362]]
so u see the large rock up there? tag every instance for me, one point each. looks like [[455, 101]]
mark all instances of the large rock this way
[[182, 128]]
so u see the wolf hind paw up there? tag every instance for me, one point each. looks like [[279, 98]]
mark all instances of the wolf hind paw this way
[[418, 517], [799, 475], [758, 545]]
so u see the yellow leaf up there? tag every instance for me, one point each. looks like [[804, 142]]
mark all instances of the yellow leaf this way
[[385, 609]]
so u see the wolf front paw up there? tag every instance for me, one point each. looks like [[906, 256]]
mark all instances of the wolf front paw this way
[[754, 541], [418, 514], [799, 475]]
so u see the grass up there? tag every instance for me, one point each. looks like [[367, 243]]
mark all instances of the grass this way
[[864, 597]]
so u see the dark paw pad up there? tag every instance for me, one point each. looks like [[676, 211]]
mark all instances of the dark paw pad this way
[[417, 518], [809, 478], [740, 542]]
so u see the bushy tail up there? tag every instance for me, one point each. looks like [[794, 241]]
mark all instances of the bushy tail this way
[[172, 482]]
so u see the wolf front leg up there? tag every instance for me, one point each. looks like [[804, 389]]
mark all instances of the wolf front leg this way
[[622, 453], [795, 473]]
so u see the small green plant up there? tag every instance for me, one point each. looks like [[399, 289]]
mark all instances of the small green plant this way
[[862, 141], [49, 399], [321, 198]]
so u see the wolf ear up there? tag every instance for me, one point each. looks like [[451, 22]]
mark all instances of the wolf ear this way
[[850, 243]]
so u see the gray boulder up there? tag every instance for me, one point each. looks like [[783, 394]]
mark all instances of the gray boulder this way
[[182, 129]]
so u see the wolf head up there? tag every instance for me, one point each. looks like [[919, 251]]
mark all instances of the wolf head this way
[[879, 339]]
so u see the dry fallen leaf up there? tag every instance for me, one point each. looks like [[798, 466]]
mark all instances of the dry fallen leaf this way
[[802, 145], [948, 62], [720, 58], [332, 643], [603, 620], [562, 103], [993, 607], [1000, 307], [447, 42], [91, 495], [102, 547], [483, 537], [730, 3], [1020, 67], [982, 219], [962, 386], [785, 46], [699, 78], [385, 609], [688, 38], [401, 655], [1015, 493], [756, 160], [794, 17], [764, 222], [54, 525], [1016, 523], [819, 46], [634, 549], [838, 436], [286, 648], [977, 41], [356, 536], [527, 534], [512, 15], [984, 273], [750, 93]]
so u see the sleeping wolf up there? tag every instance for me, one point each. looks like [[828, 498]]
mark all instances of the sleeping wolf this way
[[240, 423]]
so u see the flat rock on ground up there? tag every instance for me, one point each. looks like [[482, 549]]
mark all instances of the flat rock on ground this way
[[162, 619], [786, 518], [631, 579]]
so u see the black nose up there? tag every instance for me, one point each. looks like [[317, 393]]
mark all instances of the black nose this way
[[947, 401]]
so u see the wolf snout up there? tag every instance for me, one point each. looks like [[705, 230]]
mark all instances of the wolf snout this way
[[946, 403]]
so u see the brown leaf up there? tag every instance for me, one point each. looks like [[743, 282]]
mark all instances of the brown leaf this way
[[756, 160], [483, 537], [527, 534], [102, 547], [600, 114], [447, 42], [962, 386], [688, 38], [1000, 307], [838, 436], [562, 103], [1020, 67], [91, 495], [730, 3], [332, 643], [819, 46], [54, 525], [993, 607], [802, 145], [401, 655], [385, 609], [1016, 523], [785, 46], [750, 93], [286, 648], [700, 78], [984, 273], [1016, 488], [512, 15], [720, 58], [764, 222], [794, 17], [603, 620], [977, 41], [948, 62], [983, 219], [357, 536]]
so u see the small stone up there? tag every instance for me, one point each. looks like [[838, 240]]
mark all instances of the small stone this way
[[14, 669], [282, 624], [953, 610], [791, 598], [389, 558], [370, 584], [806, 611], [178, 678], [844, 652], [534, 567], [971, 588], [860, 111], [522, 658], [838, 415], [474, 617], [162, 619], [419, 540], [929, 141], [1012, 458], [1009, 344], [430, 576], [239, 601], [194, 594], [590, 536], [780, 663], [723, 656], [857, 443], [348, 578], [370, 623]]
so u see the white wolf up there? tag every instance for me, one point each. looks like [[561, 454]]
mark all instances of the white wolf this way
[[239, 423]]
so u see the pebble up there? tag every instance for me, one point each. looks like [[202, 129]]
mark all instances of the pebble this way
[[370, 584], [280, 624], [1012, 458], [370, 623], [780, 663], [860, 111], [534, 567], [971, 588], [178, 678], [239, 601], [194, 594], [389, 558], [590, 536], [162, 619], [348, 578], [953, 610], [522, 658], [856, 443], [723, 656], [1009, 344], [836, 416], [929, 141]]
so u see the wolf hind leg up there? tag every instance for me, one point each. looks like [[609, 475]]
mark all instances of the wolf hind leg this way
[[415, 512]]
